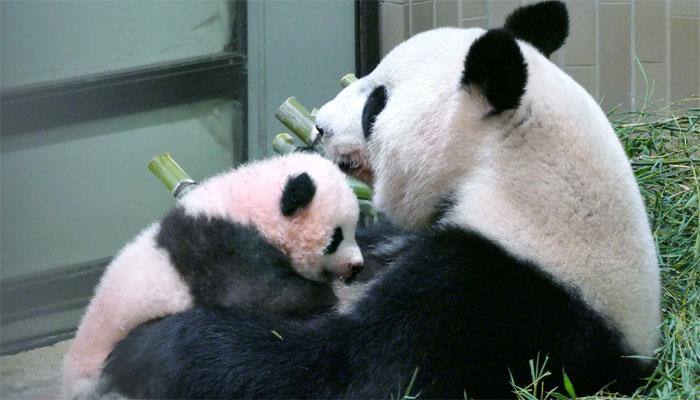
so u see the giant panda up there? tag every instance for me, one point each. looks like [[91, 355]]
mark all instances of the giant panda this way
[[530, 241], [268, 235]]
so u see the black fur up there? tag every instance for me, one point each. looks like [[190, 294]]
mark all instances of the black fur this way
[[454, 305], [444, 206], [374, 105], [335, 241], [496, 68], [372, 240], [545, 25], [225, 264], [298, 193]]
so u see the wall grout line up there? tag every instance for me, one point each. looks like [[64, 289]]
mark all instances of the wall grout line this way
[[489, 15], [460, 8], [597, 49], [633, 54], [668, 53], [410, 18]]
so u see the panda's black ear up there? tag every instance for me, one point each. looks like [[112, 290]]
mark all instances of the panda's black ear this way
[[545, 25], [297, 194], [495, 67]]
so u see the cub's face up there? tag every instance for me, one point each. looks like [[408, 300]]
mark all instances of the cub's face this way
[[320, 212], [425, 117]]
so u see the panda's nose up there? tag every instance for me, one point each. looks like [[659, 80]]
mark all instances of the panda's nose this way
[[357, 267], [354, 270], [351, 272]]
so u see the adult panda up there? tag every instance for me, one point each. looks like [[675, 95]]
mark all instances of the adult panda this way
[[530, 239]]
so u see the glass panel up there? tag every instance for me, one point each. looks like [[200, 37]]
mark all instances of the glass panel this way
[[295, 48], [51, 40], [79, 192]]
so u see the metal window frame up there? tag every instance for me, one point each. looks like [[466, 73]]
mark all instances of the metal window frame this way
[[33, 107], [366, 36], [46, 105]]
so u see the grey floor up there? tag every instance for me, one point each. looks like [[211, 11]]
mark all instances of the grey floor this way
[[33, 374], [36, 374]]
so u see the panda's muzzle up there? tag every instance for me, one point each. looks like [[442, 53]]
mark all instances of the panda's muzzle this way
[[353, 270], [348, 164], [355, 163]]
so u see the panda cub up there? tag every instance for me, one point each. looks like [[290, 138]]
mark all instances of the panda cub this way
[[267, 235]]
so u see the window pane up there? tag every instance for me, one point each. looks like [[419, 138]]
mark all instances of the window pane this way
[[51, 40], [80, 192]]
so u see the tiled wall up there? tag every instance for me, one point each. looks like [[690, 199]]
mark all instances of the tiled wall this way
[[605, 37]]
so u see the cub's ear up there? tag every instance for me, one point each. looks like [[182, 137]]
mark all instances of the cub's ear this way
[[297, 194], [495, 67], [545, 25]]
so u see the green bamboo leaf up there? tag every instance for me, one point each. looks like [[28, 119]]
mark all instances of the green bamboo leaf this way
[[568, 385]]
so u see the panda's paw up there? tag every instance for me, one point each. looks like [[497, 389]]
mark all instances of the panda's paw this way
[[83, 388]]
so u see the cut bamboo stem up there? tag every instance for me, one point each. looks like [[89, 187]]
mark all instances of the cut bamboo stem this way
[[283, 143], [296, 118], [361, 189], [366, 208], [347, 80], [175, 179]]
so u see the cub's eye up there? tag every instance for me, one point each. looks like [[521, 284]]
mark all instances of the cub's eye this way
[[374, 105], [335, 241]]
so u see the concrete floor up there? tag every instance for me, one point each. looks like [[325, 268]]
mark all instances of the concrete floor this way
[[33, 374], [36, 374]]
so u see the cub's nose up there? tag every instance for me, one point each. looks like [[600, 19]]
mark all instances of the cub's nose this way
[[351, 272], [356, 267]]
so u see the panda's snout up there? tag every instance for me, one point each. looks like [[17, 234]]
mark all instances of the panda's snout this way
[[351, 162], [351, 272], [347, 166]]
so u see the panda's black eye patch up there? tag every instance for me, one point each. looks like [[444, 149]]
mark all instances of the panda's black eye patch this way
[[335, 241], [374, 105]]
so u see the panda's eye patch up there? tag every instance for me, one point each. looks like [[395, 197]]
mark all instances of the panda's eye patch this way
[[335, 241], [374, 105]]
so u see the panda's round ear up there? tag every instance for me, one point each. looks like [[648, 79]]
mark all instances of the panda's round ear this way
[[297, 194], [545, 25], [495, 67]]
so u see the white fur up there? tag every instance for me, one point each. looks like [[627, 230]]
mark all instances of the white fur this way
[[549, 181], [139, 285], [349, 295]]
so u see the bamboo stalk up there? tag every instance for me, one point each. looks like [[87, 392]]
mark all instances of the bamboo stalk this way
[[347, 80], [361, 189], [665, 161], [296, 118], [283, 143], [656, 124], [175, 179], [366, 208]]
